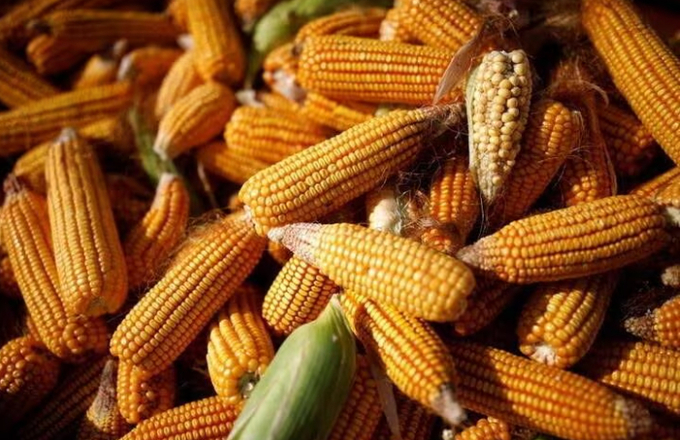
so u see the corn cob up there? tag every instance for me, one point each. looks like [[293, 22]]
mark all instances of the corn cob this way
[[218, 158], [643, 68], [487, 428], [51, 55], [103, 420], [178, 12], [239, 347], [88, 253], [661, 324], [497, 97], [669, 195], [574, 242], [249, 11], [413, 278], [653, 186], [218, 50], [27, 374], [415, 422], [297, 296], [281, 255], [331, 113], [26, 232], [194, 119], [207, 419], [8, 281], [552, 133], [65, 406], [98, 71], [181, 303], [19, 84], [361, 69], [139, 397], [42, 120], [354, 162], [147, 66], [392, 28], [356, 22], [150, 242], [412, 354], [269, 135], [440, 23], [561, 320], [485, 303], [533, 395], [181, 79]]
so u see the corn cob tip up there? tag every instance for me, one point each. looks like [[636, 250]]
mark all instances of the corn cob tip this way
[[447, 407], [672, 216], [12, 184], [470, 254], [161, 145], [299, 238], [641, 326], [544, 354], [67, 134], [639, 420]]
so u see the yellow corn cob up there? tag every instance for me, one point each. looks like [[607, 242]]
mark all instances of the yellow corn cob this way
[[66, 405], [574, 242], [218, 50], [661, 324], [440, 23], [28, 372], [298, 295], [526, 393], [218, 158], [178, 12], [411, 277], [19, 84], [631, 146], [643, 68], [415, 422], [139, 397], [249, 11], [150, 242], [207, 419], [43, 120], [98, 71], [322, 178], [281, 255], [275, 101], [194, 119], [653, 186], [356, 22], [8, 281], [147, 66], [103, 420], [552, 133], [485, 303], [239, 347], [362, 412], [361, 69], [331, 113], [51, 55], [173, 312], [412, 354], [640, 369], [181, 79], [26, 232], [270, 135], [497, 97], [487, 428], [669, 195], [561, 320], [88, 253], [392, 28], [130, 201]]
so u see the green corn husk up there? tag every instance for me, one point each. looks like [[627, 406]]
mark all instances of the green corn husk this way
[[306, 385]]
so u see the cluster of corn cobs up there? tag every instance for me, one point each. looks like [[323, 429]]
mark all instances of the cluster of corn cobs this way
[[489, 191]]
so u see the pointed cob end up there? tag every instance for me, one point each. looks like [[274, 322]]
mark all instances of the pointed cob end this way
[[470, 255], [162, 145], [639, 421], [641, 326], [544, 354], [447, 407], [300, 238], [672, 216]]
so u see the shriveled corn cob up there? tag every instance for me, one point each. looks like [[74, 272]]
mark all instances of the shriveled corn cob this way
[[356, 22], [28, 372], [322, 178], [218, 50], [173, 312], [103, 420], [194, 119], [51, 55], [413, 356], [237, 167], [392, 28], [98, 71], [330, 113], [147, 66], [527, 393], [42, 120], [362, 413], [19, 84], [270, 135], [415, 422], [487, 428], [643, 68], [88, 253], [574, 242], [207, 419], [26, 233], [440, 23], [498, 96], [239, 347], [298, 295], [412, 277], [661, 324], [552, 133], [8, 281], [181, 79], [653, 186], [249, 11], [361, 69], [485, 303], [139, 397], [560, 320], [150, 242]]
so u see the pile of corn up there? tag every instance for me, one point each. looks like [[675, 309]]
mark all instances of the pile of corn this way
[[334, 219]]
